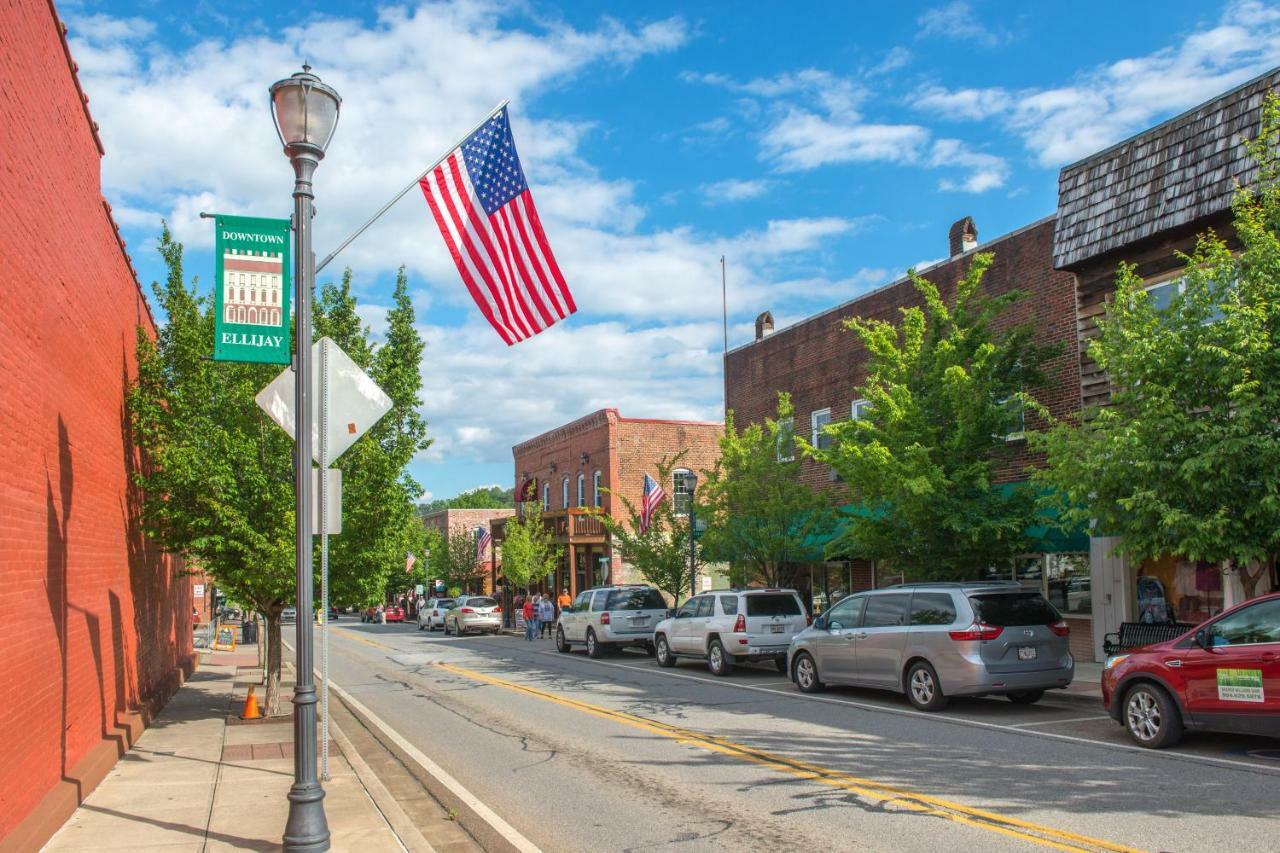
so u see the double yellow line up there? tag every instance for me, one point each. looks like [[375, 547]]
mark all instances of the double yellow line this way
[[875, 791]]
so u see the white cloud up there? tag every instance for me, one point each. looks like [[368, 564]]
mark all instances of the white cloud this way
[[1109, 102], [735, 190], [802, 140], [897, 57], [957, 21], [982, 171]]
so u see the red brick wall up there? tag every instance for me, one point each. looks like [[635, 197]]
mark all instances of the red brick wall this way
[[563, 447], [96, 625], [821, 363], [642, 444]]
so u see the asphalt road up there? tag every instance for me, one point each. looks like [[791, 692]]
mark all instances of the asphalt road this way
[[618, 754]]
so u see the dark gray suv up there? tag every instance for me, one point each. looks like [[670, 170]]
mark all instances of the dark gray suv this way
[[936, 640]]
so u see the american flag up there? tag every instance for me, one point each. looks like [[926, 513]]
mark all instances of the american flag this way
[[409, 560], [653, 495], [482, 543], [481, 201]]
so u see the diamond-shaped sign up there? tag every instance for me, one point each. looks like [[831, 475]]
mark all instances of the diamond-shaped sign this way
[[356, 402]]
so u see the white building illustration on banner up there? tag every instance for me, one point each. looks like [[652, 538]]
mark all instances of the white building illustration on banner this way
[[252, 287]]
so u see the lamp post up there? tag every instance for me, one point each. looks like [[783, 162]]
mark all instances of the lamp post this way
[[690, 484], [306, 114]]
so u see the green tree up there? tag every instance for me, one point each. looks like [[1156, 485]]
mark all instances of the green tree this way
[[483, 497], [218, 479], [452, 556], [945, 389], [660, 553], [759, 515], [1185, 459], [528, 550]]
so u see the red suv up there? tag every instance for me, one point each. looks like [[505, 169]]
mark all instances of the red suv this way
[[1223, 676]]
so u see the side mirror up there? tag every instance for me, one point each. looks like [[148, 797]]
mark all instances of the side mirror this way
[[1202, 639], [820, 623]]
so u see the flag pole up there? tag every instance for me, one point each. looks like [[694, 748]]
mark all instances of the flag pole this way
[[411, 185]]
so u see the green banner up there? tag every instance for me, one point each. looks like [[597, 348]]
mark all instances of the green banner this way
[[254, 274]]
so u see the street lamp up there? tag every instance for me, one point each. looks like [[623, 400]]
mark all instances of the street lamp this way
[[690, 484], [306, 114]]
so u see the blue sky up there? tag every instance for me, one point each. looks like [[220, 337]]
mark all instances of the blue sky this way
[[823, 153]]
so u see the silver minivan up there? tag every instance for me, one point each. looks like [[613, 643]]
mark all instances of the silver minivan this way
[[937, 640], [610, 617]]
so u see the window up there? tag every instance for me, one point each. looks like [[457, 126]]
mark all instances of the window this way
[[639, 598], [786, 440], [1017, 429], [846, 614], [564, 493], [859, 409], [706, 606], [1004, 610], [546, 496], [886, 610], [1163, 294], [1257, 624], [932, 608], [599, 601], [596, 497], [688, 609], [817, 421], [729, 604], [582, 490], [582, 603], [680, 491], [1067, 583], [772, 604]]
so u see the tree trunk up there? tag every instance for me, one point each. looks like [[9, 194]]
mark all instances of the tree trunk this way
[[272, 615], [1249, 579]]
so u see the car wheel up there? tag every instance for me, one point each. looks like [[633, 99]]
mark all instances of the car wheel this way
[[718, 660], [1026, 697], [594, 649], [562, 645], [662, 652], [923, 688], [1152, 717], [806, 674], [781, 664], [447, 632]]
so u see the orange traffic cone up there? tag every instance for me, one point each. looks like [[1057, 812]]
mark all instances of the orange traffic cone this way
[[251, 711]]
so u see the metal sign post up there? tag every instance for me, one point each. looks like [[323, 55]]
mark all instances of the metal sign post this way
[[324, 559]]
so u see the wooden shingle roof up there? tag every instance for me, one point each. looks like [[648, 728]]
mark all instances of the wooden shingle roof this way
[[1172, 175]]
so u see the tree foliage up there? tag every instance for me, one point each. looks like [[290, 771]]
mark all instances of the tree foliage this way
[[483, 497], [528, 549], [661, 553], [1185, 459], [759, 516], [218, 482], [452, 556], [945, 389]]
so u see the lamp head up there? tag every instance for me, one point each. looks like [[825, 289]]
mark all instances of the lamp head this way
[[306, 113]]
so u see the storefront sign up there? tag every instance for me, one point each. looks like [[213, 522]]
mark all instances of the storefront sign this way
[[251, 294], [1240, 685], [199, 591]]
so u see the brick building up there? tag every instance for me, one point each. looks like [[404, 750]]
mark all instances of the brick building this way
[[571, 467], [96, 634], [1143, 201], [447, 520]]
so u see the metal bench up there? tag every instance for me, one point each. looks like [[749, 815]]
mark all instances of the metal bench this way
[[1133, 635]]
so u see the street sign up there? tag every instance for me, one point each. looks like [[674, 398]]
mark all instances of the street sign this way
[[699, 528], [333, 501], [251, 297], [356, 402], [199, 591]]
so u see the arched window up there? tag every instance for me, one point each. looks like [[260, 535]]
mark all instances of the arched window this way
[[582, 490], [679, 492], [596, 497], [564, 493], [546, 496]]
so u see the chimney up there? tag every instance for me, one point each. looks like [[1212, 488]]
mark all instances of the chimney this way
[[963, 236], [764, 326]]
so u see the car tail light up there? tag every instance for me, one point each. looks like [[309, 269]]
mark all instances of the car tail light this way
[[1061, 628], [498, 609], [604, 618], [467, 610], [977, 631], [808, 619], [740, 625]]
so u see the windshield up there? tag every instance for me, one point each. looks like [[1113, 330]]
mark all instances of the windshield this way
[[635, 599], [773, 604], [444, 602], [1004, 610], [480, 602]]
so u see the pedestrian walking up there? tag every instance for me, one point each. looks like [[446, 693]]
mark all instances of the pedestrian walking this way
[[537, 616], [547, 615], [564, 601], [527, 612]]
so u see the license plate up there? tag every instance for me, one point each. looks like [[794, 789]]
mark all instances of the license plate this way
[[1026, 652], [637, 618], [777, 629]]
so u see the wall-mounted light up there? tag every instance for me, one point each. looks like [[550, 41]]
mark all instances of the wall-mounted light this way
[[553, 467], [584, 458]]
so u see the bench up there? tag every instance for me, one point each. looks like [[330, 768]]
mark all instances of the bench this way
[[1134, 635]]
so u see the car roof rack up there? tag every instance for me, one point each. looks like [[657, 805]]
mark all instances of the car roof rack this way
[[955, 585]]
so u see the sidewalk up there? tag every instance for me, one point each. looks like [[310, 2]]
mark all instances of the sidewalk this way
[[200, 779]]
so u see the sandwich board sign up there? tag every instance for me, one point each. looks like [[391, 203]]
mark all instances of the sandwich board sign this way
[[251, 297]]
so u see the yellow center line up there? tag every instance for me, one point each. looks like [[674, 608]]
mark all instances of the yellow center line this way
[[367, 641], [869, 788]]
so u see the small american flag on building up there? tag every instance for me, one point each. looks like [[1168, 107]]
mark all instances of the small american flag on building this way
[[653, 495], [482, 543], [481, 202]]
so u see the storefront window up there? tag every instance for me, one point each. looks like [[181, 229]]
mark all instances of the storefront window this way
[[1176, 590], [1067, 584]]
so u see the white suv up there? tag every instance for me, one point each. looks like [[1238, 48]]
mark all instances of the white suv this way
[[611, 617], [732, 625]]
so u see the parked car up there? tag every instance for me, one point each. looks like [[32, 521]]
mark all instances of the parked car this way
[[431, 614], [369, 614], [933, 641], [1223, 675], [732, 626], [394, 613], [611, 617], [473, 613], [289, 614], [333, 613]]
